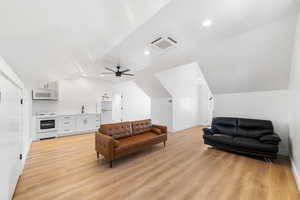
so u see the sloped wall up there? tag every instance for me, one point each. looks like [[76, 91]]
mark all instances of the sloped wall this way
[[189, 93]]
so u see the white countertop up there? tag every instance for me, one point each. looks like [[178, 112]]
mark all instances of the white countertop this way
[[65, 114], [76, 114]]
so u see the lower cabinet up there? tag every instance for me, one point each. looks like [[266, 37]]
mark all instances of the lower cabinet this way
[[77, 124]]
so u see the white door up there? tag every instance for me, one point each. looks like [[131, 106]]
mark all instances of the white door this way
[[106, 112], [10, 137], [117, 114]]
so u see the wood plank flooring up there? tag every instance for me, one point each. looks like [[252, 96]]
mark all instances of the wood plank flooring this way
[[67, 169]]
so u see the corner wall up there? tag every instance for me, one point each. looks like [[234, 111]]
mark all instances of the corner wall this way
[[190, 95], [294, 107]]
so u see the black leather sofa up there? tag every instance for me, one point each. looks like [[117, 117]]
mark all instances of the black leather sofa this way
[[246, 136]]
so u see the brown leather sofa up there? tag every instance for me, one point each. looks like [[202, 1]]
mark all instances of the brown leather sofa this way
[[120, 139]]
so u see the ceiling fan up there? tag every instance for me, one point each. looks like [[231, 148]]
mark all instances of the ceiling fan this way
[[117, 72]]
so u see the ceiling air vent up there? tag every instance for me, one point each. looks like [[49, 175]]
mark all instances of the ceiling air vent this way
[[164, 43]]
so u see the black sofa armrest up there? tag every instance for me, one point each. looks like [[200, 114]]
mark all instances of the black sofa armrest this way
[[208, 131], [270, 139]]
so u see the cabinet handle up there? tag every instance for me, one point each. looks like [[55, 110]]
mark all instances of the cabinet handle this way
[[67, 123]]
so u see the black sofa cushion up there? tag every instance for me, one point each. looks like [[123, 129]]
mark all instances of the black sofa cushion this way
[[254, 128], [254, 144], [208, 131], [219, 138], [272, 138], [225, 125]]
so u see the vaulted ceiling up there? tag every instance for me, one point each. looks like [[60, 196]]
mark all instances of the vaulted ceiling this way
[[55, 39], [247, 48]]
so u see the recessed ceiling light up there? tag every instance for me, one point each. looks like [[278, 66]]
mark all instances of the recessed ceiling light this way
[[207, 23], [146, 52], [102, 75], [84, 75]]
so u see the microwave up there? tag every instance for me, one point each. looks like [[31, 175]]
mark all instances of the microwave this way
[[44, 94]]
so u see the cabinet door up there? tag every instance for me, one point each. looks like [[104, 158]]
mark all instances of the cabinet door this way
[[82, 123], [86, 123]]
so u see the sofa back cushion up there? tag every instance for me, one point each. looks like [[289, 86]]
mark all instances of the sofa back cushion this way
[[142, 126], [117, 130], [254, 128], [225, 125]]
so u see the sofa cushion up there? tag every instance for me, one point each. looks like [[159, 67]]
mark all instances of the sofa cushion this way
[[254, 144], [219, 138], [135, 142], [270, 138], [225, 125], [254, 128], [141, 126], [156, 130], [117, 130]]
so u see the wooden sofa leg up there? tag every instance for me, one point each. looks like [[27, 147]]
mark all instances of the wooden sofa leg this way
[[97, 154], [110, 164], [164, 143]]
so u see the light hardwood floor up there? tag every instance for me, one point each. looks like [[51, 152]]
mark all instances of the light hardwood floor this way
[[67, 169]]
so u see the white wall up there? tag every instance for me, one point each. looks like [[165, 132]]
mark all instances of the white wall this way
[[161, 112], [206, 105], [294, 105], [28, 133], [73, 94], [267, 105], [136, 104], [186, 112]]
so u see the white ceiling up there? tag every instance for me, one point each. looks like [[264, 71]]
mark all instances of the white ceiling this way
[[47, 40], [248, 47]]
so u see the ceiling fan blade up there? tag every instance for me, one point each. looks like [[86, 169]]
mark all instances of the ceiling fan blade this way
[[107, 73], [128, 74], [126, 70], [109, 69]]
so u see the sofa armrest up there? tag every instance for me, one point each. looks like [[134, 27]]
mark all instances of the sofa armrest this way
[[164, 129], [208, 131], [105, 145], [270, 139]]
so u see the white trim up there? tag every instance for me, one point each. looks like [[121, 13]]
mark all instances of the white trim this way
[[25, 156], [295, 173]]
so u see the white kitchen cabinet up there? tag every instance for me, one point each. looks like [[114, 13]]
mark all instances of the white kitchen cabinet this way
[[77, 124], [67, 125], [86, 122]]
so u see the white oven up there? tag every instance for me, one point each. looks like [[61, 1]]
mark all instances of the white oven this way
[[46, 124]]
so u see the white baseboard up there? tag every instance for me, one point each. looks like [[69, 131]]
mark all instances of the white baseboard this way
[[296, 175]]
